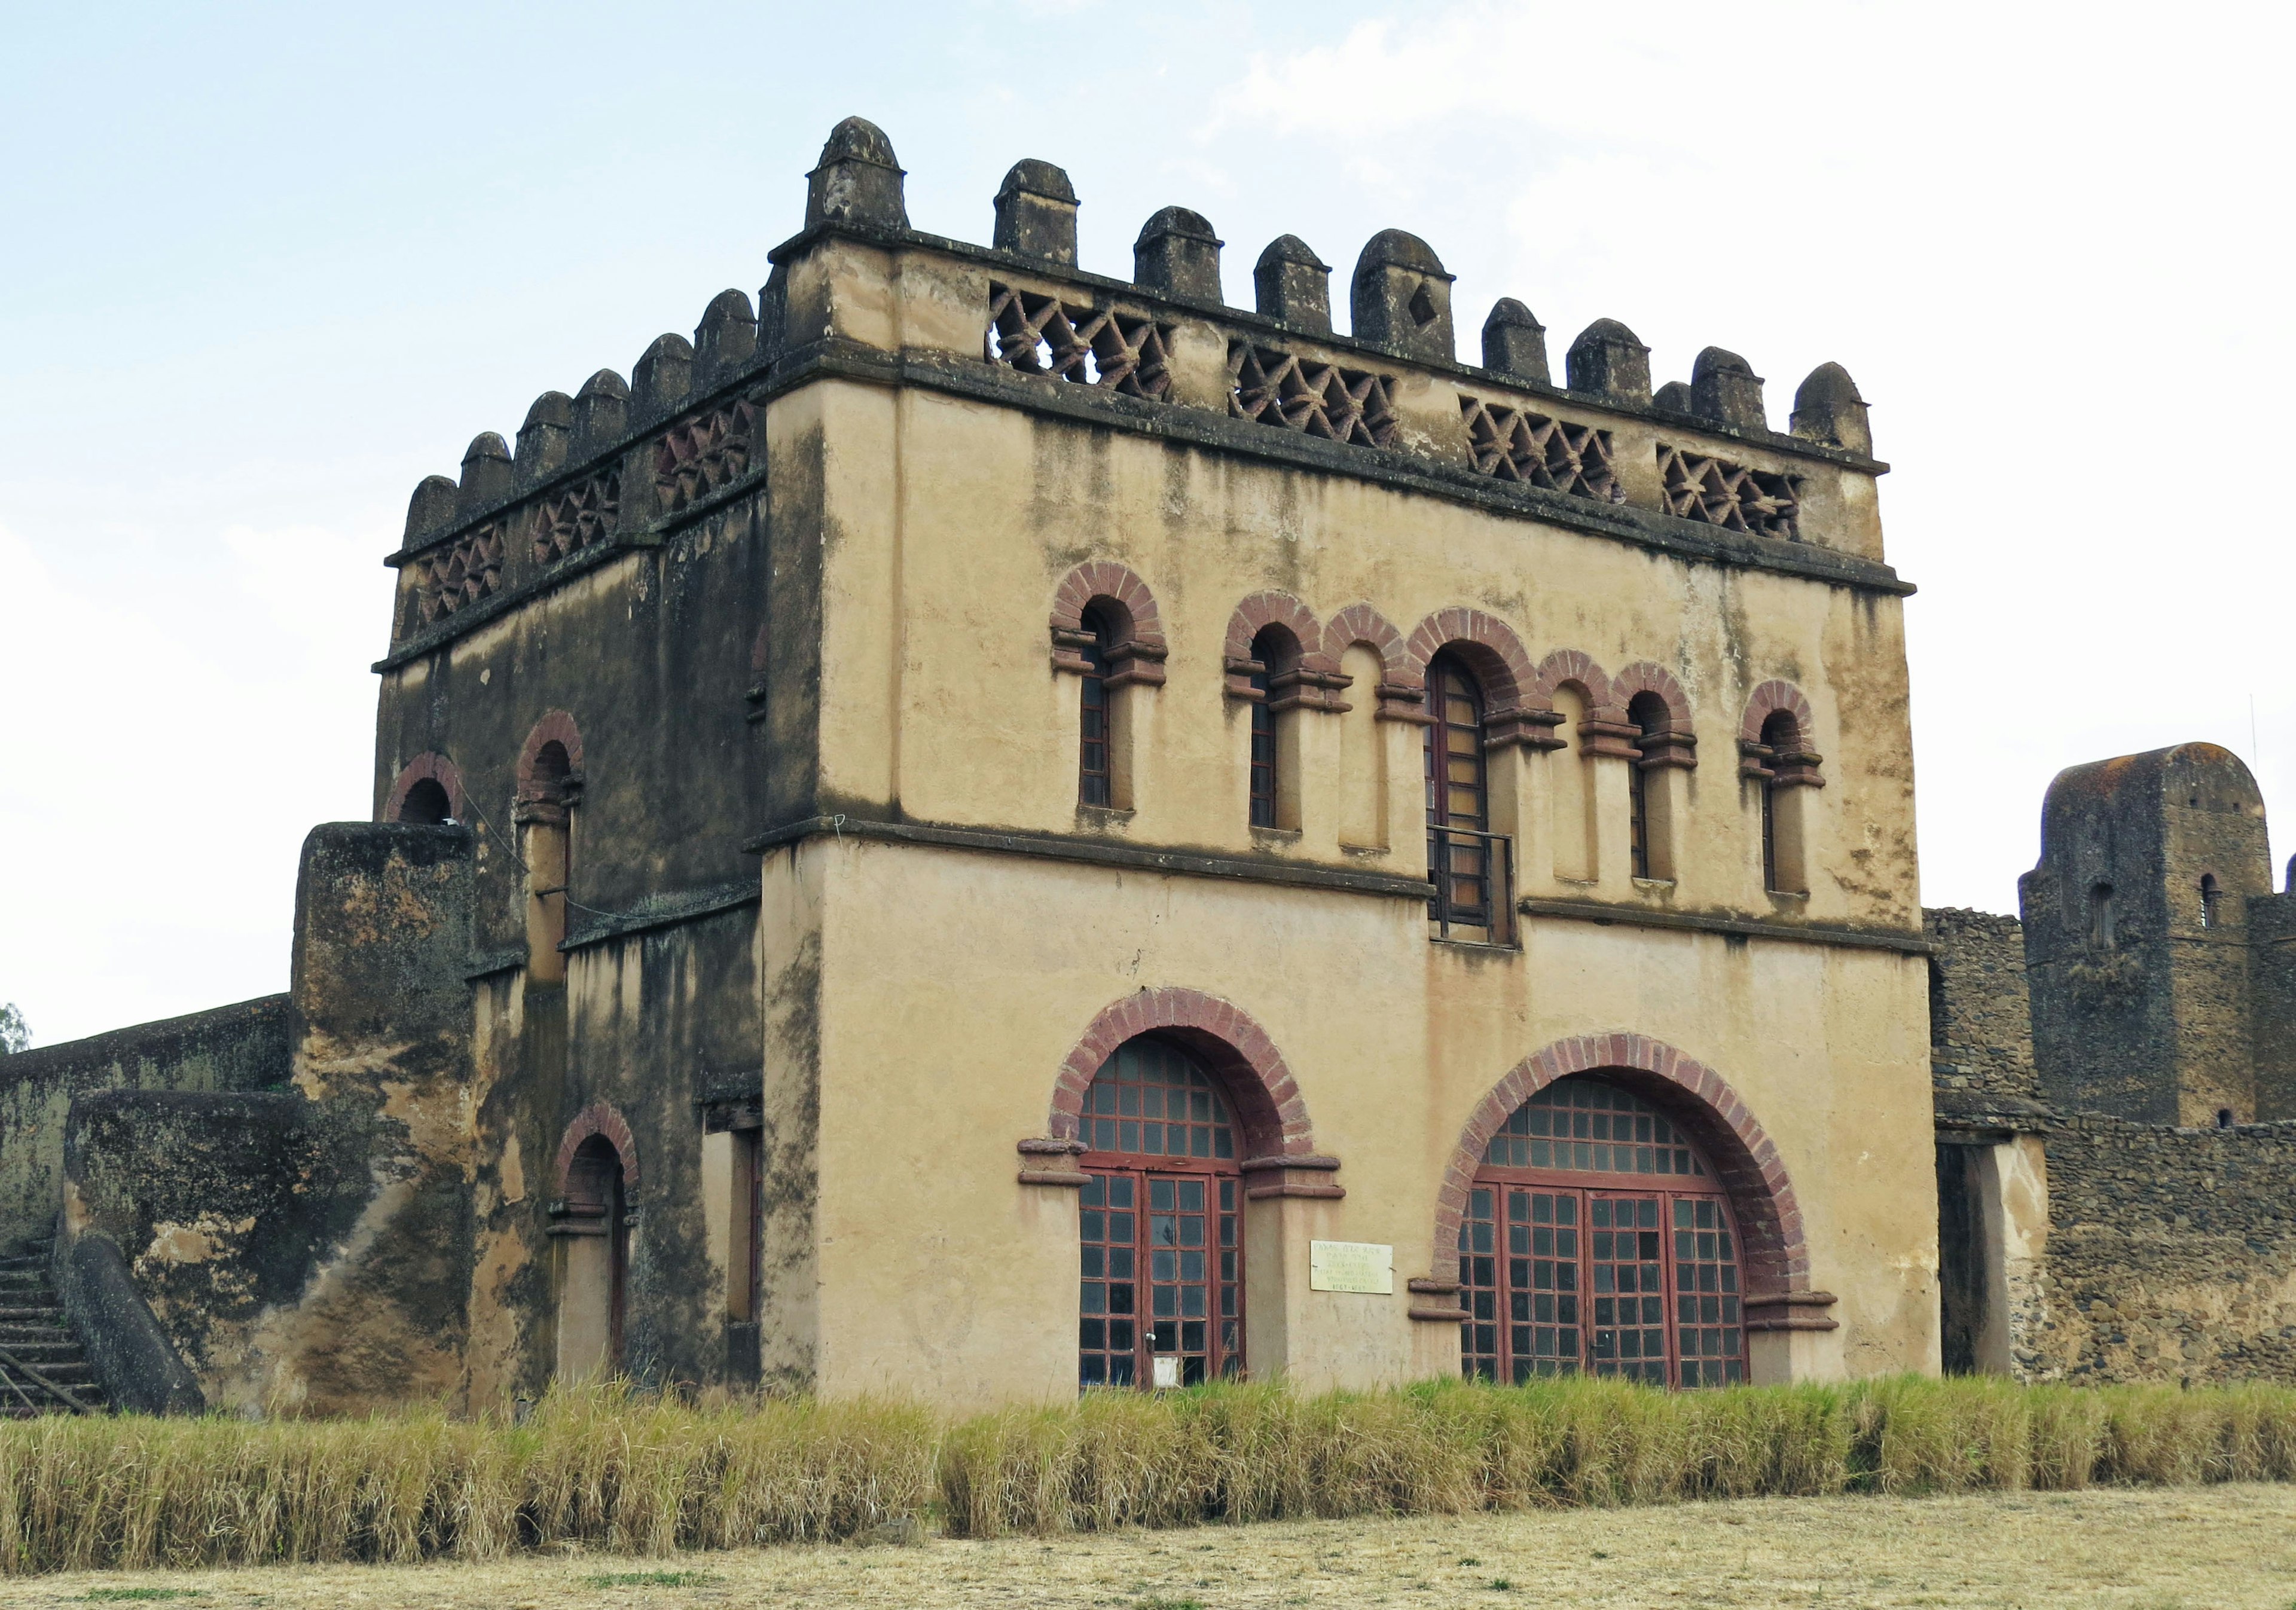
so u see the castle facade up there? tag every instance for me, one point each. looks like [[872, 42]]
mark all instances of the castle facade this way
[[978, 829]]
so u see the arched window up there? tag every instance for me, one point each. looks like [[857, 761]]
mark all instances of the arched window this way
[[1458, 799], [1276, 653], [2209, 892], [1783, 871], [1647, 827], [1095, 784], [1598, 1239], [549, 783], [427, 803], [594, 1279], [1161, 1224]]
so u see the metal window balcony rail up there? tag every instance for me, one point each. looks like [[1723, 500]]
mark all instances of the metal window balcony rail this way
[[1473, 878]]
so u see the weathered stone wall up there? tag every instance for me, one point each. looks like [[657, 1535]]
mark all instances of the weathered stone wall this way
[[1981, 1014], [2171, 1254], [230, 1048], [2272, 990]]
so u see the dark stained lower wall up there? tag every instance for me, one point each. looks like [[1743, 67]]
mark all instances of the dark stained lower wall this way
[[2171, 1253], [231, 1047]]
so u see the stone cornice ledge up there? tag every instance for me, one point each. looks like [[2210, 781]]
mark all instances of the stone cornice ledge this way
[[1094, 851], [1906, 942]]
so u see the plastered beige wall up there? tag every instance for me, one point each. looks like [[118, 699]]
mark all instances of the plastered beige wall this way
[[942, 573], [960, 980]]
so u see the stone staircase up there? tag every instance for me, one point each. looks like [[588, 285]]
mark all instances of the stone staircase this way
[[40, 1358]]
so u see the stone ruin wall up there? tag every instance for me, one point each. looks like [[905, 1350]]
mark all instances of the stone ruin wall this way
[[2167, 1254]]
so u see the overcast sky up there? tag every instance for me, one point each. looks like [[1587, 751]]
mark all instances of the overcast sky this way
[[265, 268]]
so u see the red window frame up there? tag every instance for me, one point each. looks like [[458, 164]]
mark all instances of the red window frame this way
[[1160, 1224], [1093, 784], [1550, 1286]]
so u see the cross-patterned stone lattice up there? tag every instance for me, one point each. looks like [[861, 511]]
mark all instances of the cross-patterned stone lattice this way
[[697, 456], [1729, 496], [1515, 444], [575, 519], [1039, 335], [460, 573], [1316, 399]]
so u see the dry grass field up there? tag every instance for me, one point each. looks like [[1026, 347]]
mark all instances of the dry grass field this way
[[2217, 1547]]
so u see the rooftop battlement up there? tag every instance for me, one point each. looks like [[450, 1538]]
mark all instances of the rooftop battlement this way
[[1691, 467]]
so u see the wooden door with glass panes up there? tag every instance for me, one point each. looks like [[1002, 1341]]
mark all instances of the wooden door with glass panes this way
[[1597, 1240], [1159, 1227]]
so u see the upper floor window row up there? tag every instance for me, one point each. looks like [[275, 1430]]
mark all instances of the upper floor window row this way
[[1463, 679]]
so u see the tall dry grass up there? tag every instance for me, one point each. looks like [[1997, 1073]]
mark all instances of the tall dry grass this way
[[616, 1471]]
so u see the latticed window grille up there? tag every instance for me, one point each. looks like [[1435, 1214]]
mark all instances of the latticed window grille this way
[[1041, 335], [1580, 1126], [1516, 445], [459, 574], [1314, 399], [574, 520], [1729, 496], [1572, 1259], [697, 456]]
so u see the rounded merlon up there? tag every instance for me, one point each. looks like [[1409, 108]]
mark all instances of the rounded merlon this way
[[1607, 332], [728, 306], [433, 506], [605, 383], [551, 408], [1507, 313], [1294, 250], [1399, 248], [1717, 361], [1827, 386], [485, 446], [1030, 177], [1177, 221], [859, 140]]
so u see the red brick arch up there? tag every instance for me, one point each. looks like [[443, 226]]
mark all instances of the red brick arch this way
[[1264, 610], [1138, 653], [1490, 649], [1266, 1099], [1401, 688], [1647, 676], [1572, 668], [1767, 701], [428, 767], [1770, 1234], [600, 1118], [555, 726]]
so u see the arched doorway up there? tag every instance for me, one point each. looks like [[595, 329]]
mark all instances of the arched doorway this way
[[593, 1235], [1160, 1222], [1598, 1238]]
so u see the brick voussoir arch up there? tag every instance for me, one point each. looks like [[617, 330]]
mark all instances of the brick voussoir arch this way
[[555, 726], [1504, 664], [600, 1118], [1569, 667], [1776, 1252], [1264, 610], [1648, 676], [1260, 1084], [1766, 701], [428, 767], [1138, 652], [1402, 686]]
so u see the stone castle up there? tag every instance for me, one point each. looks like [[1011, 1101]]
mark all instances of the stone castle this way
[[980, 830]]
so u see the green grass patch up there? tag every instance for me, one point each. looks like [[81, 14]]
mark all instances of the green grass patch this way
[[138, 1595], [650, 1579], [607, 1470]]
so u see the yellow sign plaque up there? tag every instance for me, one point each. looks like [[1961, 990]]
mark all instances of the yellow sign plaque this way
[[1351, 1266]]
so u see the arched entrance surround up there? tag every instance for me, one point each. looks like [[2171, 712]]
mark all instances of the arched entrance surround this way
[[597, 1177], [1772, 1248]]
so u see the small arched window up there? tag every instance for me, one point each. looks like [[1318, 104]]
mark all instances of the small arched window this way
[[426, 804], [1161, 1227], [2209, 894], [1276, 653], [1783, 870], [544, 812], [1646, 832], [593, 1230], [1598, 1239], [1459, 854], [1094, 786]]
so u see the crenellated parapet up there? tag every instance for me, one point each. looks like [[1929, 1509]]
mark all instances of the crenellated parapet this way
[[1693, 468]]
